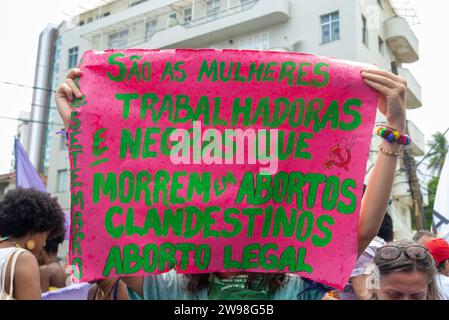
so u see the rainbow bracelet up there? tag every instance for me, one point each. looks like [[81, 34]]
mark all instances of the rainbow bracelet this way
[[392, 135]]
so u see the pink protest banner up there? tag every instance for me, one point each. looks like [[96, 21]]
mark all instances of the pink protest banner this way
[[218, 161]]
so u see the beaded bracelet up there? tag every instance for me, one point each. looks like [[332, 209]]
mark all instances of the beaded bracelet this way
[[389, 153], [393, 135]]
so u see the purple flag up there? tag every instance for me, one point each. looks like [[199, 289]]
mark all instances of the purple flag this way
[[27, 177], [78, 291]]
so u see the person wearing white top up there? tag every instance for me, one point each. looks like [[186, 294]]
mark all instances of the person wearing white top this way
[[443, 285], [27, 218]]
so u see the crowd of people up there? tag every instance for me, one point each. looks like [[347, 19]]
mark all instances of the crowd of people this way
[[32, 228]]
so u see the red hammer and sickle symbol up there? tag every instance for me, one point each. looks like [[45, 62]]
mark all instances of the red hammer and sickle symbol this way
[[337, 157]]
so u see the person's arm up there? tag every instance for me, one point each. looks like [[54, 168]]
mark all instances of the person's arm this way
[[122, 291], [45, 278], [134, 283], [92, 292], [359, 286], [27, 284], [392, 89], [64, 94]]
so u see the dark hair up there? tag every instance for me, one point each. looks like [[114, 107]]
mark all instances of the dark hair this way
[[197, 282], [386, 229], [52, 245], [441, 266], [421, 233], [24, 211]]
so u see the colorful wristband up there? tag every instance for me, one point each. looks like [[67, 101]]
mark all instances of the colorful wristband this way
[[392, 135]]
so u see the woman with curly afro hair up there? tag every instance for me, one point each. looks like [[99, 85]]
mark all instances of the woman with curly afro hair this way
[[27, 218]]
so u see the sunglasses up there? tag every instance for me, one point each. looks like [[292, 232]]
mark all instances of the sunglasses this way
[[415, 252]]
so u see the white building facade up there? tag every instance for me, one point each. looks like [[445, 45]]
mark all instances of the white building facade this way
[[361, 30]]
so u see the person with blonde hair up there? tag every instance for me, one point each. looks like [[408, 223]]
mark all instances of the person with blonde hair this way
[[404, 270], [423, 236]]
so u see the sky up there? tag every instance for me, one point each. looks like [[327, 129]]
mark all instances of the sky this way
[[22, 21], [431, 70]]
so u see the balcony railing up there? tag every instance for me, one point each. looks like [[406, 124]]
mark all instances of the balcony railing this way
[[414, 96], [210, 28], [418, 145], [205, 18], [128, 18], [401, 40]]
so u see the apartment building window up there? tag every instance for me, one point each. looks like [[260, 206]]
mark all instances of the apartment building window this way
[[172, 19], [364, 31], [136, 2], [73, 57], [213, 9], [257, 42], [62, 141], [246, 4], [261, 41], [150, 29], [118, 39], [330, 27], [381, 46], [63, 181], [187, 15]]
